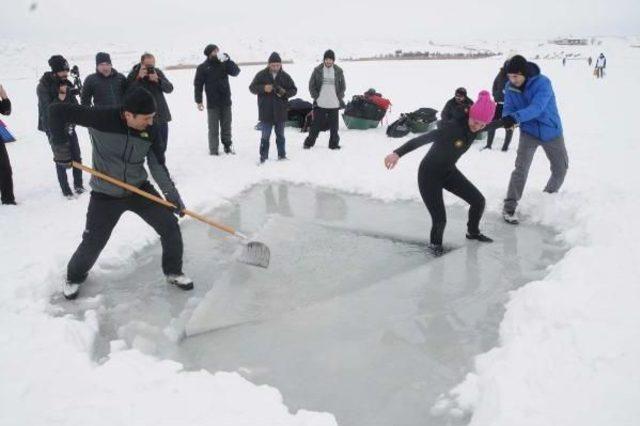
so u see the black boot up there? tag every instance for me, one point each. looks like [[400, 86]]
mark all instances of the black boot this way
[[479, 237], [436, 249]]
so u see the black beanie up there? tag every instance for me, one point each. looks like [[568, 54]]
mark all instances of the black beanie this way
[[329, 55], [517, 65], [103, 58], [274, 58], [139, 101], [461, 91], [58, 63], [209, 49]]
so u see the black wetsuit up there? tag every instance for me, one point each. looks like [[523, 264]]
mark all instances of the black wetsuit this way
[[438, 171]]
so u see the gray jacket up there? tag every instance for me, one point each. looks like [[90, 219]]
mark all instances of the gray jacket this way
[[118, 150], [315, 83]]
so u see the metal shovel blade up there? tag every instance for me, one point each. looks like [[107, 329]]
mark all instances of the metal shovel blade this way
[[256, 254]]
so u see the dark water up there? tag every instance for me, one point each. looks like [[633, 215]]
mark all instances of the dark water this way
[[352, 317]]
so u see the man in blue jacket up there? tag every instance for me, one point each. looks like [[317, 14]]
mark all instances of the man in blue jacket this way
[[529, 102]]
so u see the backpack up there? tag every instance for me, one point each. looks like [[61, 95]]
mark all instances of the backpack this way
[[370, 106], [398, 128], [297, 112], [418, 121]]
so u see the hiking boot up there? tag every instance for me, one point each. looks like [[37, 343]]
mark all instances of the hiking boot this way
[[229, 150], [436, 249], [180, 280], [479, 237], [282, 158], [305, 146], [510, 218], [80, 189], [336, 147]]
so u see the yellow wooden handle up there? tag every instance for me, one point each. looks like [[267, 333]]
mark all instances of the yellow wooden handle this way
[[154, 198]]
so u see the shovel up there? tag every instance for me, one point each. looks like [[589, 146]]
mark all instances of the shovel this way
[[254, 253]]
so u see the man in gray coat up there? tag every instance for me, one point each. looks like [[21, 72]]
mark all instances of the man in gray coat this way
[[327, 87]]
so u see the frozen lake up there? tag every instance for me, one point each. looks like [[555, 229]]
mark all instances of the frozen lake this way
[[352, 316]]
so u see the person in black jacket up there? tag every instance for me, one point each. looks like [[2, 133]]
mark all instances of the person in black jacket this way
[[106, 86], [456, 108], [498, 95], [54, 87], [6, 179], [274, 87], [146, 75], [213, 75], [123, 139], [438, 169]]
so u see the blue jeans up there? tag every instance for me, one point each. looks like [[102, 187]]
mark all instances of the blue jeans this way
[[266, 134]]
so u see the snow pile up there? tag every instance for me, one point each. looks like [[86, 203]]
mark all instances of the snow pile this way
[[568, 343]]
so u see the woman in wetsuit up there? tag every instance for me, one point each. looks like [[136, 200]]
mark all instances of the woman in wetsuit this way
[[438, 169]]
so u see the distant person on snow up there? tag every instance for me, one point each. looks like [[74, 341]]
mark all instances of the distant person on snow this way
[[327, 87], [531, 103], [213, 75], [601, 64], [274, 87], [590, 61], [130, 129], [498, 95], [55, 87], [147, 76], [6, 178], [457, 108], [438, 169], [105, 87]]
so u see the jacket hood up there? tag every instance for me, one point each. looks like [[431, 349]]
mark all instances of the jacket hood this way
[[533, 70]]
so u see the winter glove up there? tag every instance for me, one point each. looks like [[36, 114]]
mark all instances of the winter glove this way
[[174, 198], [62, 155], [280, 91], [508, 122]]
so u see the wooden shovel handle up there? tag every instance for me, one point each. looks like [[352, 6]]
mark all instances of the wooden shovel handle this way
[[154, 198]]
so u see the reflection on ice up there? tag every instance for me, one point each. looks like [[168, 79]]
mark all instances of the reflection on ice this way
[[352, 316]]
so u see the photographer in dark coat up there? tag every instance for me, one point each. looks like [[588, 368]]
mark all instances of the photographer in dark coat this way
[[55, 87], [106, 86], [457, 108], [146, 75], [274, 87], [213, 76]]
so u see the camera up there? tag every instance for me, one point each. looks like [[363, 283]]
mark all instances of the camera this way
[[151, 70]]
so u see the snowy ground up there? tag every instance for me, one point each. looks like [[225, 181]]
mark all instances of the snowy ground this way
[[568, 343]]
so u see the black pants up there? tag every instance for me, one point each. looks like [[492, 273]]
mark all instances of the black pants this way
[[6, 176], [492, 133], [322, 117], [103, 215], [62, 171], [163, 128], [431, 185]]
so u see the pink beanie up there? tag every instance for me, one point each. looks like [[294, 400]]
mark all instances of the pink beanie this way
[[484, 108]]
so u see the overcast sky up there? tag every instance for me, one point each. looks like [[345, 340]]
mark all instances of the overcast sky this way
[[118, 20]]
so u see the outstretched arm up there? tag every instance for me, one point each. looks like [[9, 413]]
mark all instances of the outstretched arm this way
[[417, 142]]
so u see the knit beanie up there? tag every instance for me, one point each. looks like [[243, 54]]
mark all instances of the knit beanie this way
[[103, 58], [274, 58], [461, 91], [209, 49], [484, 108], [58, 63], [139, 101], [517, 65], [329, 55]]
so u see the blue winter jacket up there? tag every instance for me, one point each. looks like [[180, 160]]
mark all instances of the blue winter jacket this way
[[534, 107]]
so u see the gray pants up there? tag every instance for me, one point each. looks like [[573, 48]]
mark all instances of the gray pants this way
[[219, 127], [557, 155]]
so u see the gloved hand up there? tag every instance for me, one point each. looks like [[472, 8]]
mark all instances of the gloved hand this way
[[280, 91], [508, 122], [342, 104], [174, 198], [62, 155]]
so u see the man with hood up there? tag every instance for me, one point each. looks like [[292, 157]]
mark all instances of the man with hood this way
[[274, 87], [54, 87], [327, 87], [106, 86], [529, 102], [213, 76]]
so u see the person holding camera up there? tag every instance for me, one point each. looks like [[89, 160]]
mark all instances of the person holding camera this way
[[106, 86], [274, 87], [213, 76], [146, 75], [55, 87]]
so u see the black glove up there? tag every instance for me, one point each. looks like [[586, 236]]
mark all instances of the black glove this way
[[280, 91], [62, 155], [174, 198], [508, 122]]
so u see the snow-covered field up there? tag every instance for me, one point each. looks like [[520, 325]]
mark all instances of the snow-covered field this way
[[569, 344]]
